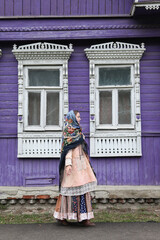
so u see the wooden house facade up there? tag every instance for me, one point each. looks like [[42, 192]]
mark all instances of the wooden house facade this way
[[101, 57]]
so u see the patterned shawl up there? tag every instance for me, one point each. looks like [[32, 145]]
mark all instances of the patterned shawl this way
[[72, 137], [72, 131]]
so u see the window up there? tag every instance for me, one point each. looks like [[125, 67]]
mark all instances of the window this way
[[43, 98], [43, 95], [114, 92], [115, 122]]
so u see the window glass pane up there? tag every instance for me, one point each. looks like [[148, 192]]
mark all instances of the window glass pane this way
[[52, 109], [105, 107], [114, 76], [34, 108], [124, 107], [44, 77]]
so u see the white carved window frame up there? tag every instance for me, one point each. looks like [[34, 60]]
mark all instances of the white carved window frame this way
[[33, 142], [113, 141]]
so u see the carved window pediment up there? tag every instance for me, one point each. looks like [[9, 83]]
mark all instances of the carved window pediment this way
[[42, 51], [115, 50]]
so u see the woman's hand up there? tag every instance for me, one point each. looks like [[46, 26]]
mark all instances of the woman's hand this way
[[68, 169]]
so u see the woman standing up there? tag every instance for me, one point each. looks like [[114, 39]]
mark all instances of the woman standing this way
[[76, 176]]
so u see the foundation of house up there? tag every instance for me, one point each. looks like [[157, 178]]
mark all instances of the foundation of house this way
[[29, 200]]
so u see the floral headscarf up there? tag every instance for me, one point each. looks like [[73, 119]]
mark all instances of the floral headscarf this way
[[72, 131]]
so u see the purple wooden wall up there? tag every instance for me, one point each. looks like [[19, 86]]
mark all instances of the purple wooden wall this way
[[64, 7], [143, 170]]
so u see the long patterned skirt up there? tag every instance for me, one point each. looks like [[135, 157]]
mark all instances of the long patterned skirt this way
[[74, 207]]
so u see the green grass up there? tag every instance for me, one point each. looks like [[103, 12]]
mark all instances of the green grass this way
[[109, 215], [3, 207], [26, 218], [116, 215]]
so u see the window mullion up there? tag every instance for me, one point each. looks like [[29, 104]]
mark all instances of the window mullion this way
[[132, 107], [26, 110], [43, 109], [60, 107], [115, 107], [97, 107]]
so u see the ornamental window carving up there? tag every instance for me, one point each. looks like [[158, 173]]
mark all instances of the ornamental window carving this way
[[43, 97], [115, 116]]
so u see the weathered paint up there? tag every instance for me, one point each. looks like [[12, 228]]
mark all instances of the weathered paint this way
[[62, 29], [64, 7], [117, 171], [112, 171]]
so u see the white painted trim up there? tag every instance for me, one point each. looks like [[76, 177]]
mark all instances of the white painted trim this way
[[148, 6], [46, 56], [114, 107], [117, 50], [44, 108], [44, 50], [114, 89], [45, 67], [115, 140], [40, 89], [42, 104], [27, 127], [39, 145], [152, 6]]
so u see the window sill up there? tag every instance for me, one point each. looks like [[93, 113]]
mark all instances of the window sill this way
[[37, 129], [109, 127]]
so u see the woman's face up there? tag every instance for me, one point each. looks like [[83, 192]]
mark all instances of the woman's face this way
[[78, 117]]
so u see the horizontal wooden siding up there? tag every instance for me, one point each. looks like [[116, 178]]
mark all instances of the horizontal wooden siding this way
[[64, 7], [112, 171]]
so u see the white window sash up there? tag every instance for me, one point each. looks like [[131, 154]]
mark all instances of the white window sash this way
[[43, 108], [43, 105], [43, 90], [48, 67], [52, 127], [25, 110], [114, 89]]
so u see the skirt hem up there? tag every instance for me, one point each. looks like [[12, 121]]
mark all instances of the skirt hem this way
[[73, 216]]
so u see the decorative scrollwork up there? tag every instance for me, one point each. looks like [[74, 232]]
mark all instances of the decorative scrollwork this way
[[152, 7], [42, 51], [116, 45], [117, 50]]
